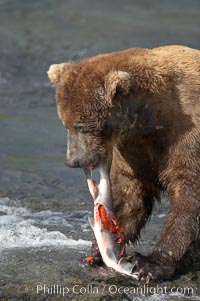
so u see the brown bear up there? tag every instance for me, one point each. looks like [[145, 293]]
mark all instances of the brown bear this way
[[140, 110]]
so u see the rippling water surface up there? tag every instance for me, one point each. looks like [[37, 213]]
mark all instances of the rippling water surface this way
[[44, 233]]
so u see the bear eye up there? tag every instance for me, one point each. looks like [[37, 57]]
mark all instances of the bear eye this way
[[80, 127]]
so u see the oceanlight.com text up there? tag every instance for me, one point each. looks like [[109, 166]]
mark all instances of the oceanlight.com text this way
[[111, 289]]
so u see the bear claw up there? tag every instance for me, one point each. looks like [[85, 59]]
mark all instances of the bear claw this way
[[149, 270]]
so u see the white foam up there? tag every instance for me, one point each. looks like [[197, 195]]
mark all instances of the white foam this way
[[25, 235], [17, 211], [21, 228], [9, 219]]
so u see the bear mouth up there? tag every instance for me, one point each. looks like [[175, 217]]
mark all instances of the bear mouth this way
[[103, 169], [104, 186], [99, 164]]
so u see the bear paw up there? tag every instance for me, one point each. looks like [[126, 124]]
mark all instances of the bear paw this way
[[149, 270]]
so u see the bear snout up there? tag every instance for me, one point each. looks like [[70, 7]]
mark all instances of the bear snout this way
[[86, 161], [74, 163]]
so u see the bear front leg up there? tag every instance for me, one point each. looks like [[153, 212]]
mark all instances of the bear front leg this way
[[180, 232], [133, 197]]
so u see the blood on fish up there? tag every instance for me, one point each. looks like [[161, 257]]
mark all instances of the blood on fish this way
[[89, 259], [101, 213], [109, 223], [94, 183]]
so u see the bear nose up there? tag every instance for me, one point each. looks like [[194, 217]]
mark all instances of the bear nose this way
[[72, 163]]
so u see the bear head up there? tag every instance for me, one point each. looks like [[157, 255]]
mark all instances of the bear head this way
[[89, 103], [109, 100]]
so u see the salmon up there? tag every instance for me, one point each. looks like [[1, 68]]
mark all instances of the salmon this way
[[108, 234]]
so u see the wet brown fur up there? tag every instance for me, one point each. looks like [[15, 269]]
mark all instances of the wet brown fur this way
[[142, 107]]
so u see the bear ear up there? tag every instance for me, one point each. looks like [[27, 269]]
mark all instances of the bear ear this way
[[117, 82], [56, 71]]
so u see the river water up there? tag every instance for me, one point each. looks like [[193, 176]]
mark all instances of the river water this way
[[44, 233]]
